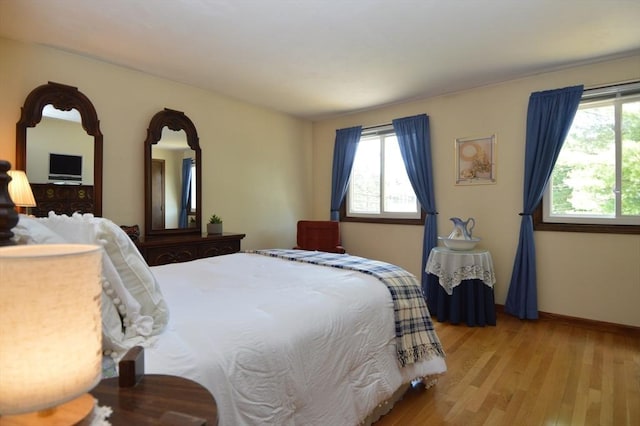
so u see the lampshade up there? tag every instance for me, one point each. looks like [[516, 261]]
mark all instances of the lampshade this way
[[50, 325], [20, 190]]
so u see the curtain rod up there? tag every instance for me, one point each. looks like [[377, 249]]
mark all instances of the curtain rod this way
[[606, 86], [586, 89], [377, 126]]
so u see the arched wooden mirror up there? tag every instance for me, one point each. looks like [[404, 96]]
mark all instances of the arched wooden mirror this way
[[59, 146], [172, 176]]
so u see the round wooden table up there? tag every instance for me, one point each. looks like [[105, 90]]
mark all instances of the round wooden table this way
[[156, 400]]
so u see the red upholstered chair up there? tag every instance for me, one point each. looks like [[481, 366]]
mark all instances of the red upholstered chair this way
[[321, 235]]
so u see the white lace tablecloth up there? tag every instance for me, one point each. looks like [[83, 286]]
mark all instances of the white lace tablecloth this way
[[452, 267]]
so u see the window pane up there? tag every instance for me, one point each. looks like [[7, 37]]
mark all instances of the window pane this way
[[398, 192], [365, 178], [583, 179], [193, 188], [630, 184]]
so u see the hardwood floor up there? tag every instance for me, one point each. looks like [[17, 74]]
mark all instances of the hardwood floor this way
[[545, 372]]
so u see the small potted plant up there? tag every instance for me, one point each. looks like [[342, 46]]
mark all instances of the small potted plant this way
[[215, 225]]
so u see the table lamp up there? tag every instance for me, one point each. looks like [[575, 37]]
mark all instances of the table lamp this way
[[20, 190], [50, 333]]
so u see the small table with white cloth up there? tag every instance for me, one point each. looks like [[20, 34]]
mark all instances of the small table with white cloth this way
[[460, 286]]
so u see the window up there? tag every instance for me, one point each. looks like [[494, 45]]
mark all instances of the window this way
[[379, 188], [595, 183], [192, 189]]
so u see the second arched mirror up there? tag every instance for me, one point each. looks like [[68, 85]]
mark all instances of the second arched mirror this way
[[172, 176]]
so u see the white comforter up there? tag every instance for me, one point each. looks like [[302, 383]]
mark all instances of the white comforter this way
[[280, 342]]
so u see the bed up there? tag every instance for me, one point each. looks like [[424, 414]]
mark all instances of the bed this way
[[282, 337]]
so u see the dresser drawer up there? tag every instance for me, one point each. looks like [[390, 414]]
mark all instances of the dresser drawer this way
[[173, 250], [218, 248]]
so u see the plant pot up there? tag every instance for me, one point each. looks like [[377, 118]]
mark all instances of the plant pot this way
[[214, 228]]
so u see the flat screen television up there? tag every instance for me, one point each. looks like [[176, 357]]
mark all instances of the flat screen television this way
[[64, 167]]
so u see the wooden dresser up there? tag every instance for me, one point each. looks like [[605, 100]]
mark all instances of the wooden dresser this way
[[62, 199], [163, 250]]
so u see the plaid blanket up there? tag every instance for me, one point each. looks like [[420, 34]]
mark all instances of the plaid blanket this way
[[416, 338]]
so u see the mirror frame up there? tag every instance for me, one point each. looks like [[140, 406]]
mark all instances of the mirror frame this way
[[174, 120], [64, 98]]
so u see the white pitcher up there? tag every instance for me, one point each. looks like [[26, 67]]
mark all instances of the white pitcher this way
[[462, 230]]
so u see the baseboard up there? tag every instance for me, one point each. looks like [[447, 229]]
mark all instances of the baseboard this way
[[603, 326]]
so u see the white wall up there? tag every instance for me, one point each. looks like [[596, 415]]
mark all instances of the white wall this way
[[255, 161], [595, 276]]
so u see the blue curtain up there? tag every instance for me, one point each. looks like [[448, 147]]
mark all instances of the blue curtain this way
[[415, 147], [186, 188], [549, 119], [344, 151]]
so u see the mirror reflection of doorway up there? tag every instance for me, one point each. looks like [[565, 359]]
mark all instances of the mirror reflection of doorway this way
[[157, 194]]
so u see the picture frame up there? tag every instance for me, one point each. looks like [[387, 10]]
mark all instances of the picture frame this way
[[475, 160]]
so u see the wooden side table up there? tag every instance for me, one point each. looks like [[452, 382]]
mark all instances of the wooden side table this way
[[156, 395]]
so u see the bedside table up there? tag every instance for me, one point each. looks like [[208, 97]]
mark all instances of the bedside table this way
[[153, 397], [460, 286]]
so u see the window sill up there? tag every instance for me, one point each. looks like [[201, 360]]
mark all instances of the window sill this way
[[540, 225], [385, 220]]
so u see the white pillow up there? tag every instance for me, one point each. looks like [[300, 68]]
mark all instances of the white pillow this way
[[134, 272], [29, 230], [114, 342], [78, 228], [134, 323], [112, 333], [135, 326], [37, 231]]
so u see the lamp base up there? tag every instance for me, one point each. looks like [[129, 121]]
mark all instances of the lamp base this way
[[69, 413]]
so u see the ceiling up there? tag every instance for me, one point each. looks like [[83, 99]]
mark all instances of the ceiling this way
[[322, 58]]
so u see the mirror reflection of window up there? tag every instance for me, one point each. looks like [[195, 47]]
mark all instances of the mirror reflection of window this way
[[174, 150], [192, 188]]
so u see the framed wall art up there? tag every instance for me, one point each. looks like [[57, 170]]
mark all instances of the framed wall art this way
[[475, 160]]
